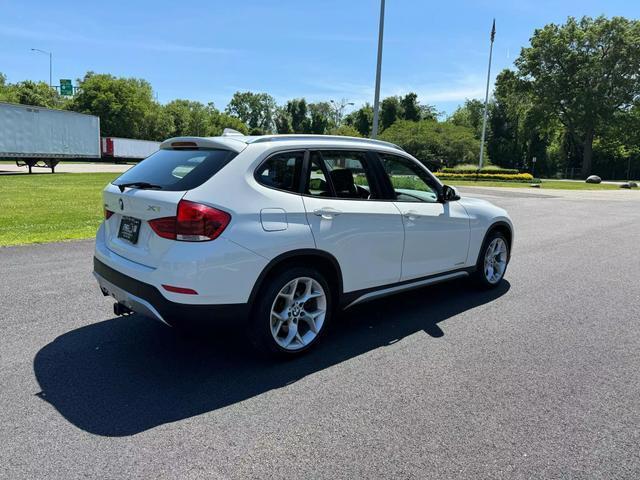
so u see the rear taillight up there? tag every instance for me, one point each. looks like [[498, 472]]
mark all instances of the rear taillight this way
[[107, 214], [198, 223], [194, 223], [164, 227]]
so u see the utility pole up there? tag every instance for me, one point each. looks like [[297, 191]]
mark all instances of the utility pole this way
[[486, 96], [50, 63], [376, 101]]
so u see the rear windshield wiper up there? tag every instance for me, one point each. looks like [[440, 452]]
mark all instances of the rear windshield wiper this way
[[142, 185]]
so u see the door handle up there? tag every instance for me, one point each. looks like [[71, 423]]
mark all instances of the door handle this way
[[327, 212], [411, 215]]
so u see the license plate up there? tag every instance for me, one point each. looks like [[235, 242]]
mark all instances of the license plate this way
[[129, 229]]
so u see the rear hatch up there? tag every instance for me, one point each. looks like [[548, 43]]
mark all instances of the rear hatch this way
[[151, 190]]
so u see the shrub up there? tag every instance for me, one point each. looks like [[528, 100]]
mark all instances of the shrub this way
[[466, 166], [510, 177], [491, 169]]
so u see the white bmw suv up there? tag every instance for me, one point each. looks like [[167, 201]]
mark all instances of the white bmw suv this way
[[282, 231]]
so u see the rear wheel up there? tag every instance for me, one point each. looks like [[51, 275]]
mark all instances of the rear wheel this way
[[291, 313], [492, 261]]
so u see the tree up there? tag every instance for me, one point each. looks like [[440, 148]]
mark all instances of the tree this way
[[256, 110], [5, 95], [616, 153], [298, 116], [584, 72], [390, 111], [158, 124], [190, 117], [297, 112], [345, 130], [321, 117], [122, 104], [433, 143], [469, 115], [283, 121], [361, 119], [518, 129], [34, 93], [180, 112], [410, 107], [218, 121], [430, 112]]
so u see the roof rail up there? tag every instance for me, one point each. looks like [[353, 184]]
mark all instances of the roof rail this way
[[281, 138]]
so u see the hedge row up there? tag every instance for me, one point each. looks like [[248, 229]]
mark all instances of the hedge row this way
[[475, 171], [516, 177]]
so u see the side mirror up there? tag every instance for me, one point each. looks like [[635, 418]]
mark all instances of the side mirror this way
[[449, 194]]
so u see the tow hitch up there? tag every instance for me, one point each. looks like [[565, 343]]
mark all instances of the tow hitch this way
[[120, 309]]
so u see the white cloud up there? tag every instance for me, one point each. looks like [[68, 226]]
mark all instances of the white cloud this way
[[39, 34], [454, 88]]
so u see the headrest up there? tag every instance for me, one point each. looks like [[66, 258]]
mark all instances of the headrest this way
[[342, 179]]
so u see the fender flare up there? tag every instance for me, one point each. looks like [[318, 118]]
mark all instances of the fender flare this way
[[302, 252], [493, 226]]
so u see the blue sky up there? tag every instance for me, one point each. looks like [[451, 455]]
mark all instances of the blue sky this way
[[206, 50]]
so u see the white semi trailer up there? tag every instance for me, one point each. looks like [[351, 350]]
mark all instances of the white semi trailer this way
[[123, 149], [37, 136]]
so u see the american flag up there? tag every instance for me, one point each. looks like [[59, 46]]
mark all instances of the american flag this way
[[493, 30]]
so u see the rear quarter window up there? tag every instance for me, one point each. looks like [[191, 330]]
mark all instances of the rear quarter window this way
[[281, 171], [177, 170]]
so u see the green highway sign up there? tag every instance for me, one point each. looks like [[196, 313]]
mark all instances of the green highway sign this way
[[66, 88]]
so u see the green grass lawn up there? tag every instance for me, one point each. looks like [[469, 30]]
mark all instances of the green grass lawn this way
[[546, 184], [67, 206], [50, 208]]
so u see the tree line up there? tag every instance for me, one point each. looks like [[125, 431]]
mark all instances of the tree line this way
[[571, 101]]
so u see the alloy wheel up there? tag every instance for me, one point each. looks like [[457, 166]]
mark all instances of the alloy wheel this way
[[495, 260], [298, 313]]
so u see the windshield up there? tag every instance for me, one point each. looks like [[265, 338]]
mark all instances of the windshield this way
[[176, 169]]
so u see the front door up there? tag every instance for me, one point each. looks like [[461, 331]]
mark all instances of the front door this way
[[349, 220], [436, 233]]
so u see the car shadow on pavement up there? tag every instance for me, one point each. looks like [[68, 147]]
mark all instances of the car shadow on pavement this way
[[125, 375]]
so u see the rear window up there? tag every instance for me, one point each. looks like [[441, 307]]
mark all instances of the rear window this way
[[177, 169]]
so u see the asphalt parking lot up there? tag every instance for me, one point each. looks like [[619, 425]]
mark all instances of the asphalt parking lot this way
[[539, 379]]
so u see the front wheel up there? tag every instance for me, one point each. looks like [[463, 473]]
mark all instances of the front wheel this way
[[291, 313], [492, 261]]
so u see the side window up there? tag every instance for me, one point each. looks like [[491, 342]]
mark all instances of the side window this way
[[348, 174], [282, 171], [317, 183], [410, 183]]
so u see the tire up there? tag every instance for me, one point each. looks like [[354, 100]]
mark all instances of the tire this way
[[489, 274], [282, 322]]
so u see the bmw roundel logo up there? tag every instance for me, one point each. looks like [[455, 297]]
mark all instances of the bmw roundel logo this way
[[121, 204]]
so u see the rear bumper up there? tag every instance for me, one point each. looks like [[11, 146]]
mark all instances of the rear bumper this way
[[147, 300]]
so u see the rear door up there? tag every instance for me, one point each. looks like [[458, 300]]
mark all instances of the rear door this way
[[436, 234], [349, 219], [157, 185]]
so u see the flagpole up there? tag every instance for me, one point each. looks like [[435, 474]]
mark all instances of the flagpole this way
[[486, 97]]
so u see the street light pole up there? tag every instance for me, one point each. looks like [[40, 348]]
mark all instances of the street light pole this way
[[339, 108], [376, 101], [50, 64]]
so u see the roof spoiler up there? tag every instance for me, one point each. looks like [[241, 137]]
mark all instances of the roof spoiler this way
[[230, 142]]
